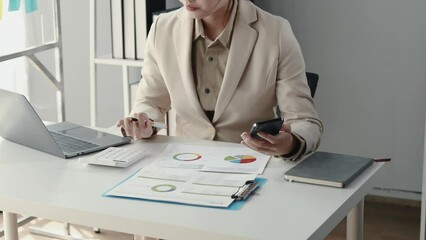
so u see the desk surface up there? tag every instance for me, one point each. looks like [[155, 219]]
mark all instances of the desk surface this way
[[37, 184]]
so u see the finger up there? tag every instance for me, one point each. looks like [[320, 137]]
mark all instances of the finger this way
[[286, 128], [128, 126], [257, 145], [248, 139], [136, 130], [145, 125], [123, 132], [120, 123], [142, 116], [142, 119], [268, 137], [265, 151]]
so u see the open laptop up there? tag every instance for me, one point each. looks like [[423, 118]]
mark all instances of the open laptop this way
[[20, 123]]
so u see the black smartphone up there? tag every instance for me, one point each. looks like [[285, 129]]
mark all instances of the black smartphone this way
[[272, 127]]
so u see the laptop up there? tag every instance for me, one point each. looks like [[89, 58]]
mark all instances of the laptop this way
[[20, 123]]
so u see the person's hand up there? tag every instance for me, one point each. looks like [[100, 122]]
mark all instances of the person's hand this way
[[280, 144], [139, 126]]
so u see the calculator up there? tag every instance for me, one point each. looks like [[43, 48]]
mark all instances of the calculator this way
[[116, 157]]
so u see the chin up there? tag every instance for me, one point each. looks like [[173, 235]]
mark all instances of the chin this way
[[196, 15]]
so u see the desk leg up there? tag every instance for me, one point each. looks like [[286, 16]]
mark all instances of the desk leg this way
[[355, 222], [10, 221], [66, 235]]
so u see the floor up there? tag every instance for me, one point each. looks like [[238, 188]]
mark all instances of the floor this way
[[383, 220], [386, 221]]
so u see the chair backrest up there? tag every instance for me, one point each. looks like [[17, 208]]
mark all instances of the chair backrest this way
[[312, 82]]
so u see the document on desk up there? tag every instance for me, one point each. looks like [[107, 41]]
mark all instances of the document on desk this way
[[238, 159], [185, 186]]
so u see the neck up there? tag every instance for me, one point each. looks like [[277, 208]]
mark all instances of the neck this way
[[216, 23]]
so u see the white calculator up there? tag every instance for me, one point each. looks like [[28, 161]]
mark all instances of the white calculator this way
[[116, 157]]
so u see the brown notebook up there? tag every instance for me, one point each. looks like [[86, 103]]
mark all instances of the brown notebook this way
[[329, 169]]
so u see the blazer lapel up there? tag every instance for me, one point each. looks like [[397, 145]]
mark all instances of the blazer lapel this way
[[243, 40], [182, 35]]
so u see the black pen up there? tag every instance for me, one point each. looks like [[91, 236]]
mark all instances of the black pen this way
[[381, 159], [154, 124]]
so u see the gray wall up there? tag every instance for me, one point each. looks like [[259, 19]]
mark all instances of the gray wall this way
[[371, 58], [423, 209], [173, 3]]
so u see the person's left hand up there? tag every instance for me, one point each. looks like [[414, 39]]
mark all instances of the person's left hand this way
[[280, 144]]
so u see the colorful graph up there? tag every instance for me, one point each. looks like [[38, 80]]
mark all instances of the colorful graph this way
[[187, 157], [241, 159], [163, 188]]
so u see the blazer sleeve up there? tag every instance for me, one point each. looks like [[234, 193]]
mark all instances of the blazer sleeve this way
[[293, 94], [152, 96]]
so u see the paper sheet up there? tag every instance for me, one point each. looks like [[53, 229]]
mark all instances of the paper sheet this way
[[184, 186], [238, 159]]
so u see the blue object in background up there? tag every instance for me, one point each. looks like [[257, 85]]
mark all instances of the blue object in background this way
[[14, 5], [30, 5]]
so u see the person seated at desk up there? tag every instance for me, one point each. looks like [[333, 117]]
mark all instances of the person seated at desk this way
[[223, 65]]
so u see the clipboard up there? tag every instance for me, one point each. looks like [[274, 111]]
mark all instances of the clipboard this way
[[245, 190], [172, 192], [238, 204]]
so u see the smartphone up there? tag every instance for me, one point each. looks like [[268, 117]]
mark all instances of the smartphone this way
[[272, 127]]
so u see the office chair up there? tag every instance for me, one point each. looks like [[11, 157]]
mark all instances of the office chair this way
[[312, 82]]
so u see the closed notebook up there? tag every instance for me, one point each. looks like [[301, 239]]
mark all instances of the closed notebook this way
[[329, 169]]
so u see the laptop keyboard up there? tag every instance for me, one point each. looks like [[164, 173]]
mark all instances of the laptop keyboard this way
[[70, 144]]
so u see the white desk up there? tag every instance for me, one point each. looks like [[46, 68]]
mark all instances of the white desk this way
[[36, 184]]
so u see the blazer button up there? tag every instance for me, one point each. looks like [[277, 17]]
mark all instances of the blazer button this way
[[212, 130], [207, 90]]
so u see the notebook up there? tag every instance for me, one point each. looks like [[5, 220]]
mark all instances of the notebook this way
[[329, 169], [20, 123]]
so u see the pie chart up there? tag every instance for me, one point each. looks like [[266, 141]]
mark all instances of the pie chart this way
[[241, 159], [163, 188], [186, 157]]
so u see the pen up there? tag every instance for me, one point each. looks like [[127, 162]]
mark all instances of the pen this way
[[154, 124], [382, 159]]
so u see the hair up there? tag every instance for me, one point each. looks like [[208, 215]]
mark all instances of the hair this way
[[231, 4], [229, 8]]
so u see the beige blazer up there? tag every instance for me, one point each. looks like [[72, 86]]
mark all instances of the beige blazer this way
[[265, 68]]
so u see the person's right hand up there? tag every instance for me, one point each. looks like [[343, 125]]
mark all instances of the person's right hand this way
[[142, 128]]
